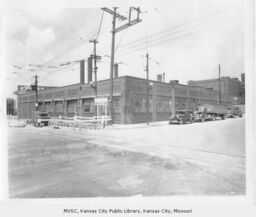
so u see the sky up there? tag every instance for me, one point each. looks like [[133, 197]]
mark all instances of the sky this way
[[186, 40]]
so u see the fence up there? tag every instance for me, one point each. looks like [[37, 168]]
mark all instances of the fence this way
[[96, 122]]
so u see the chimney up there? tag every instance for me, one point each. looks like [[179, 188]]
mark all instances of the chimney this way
[[115, 70], [82, 71], [89, 69], [163, 77], [159, 77]]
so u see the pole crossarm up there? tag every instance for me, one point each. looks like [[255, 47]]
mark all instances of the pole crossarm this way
[[97, 57], [131, 23], [119, 16]]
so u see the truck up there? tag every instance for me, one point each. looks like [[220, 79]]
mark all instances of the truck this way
[[40, 118], [206, 112], [234, 112]]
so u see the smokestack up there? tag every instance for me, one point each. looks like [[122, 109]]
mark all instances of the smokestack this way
[[89, 69], [163, 77], [159, 77], [115, 70], [82, 71]]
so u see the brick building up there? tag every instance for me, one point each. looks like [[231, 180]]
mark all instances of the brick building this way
[[129, 99], [243, 88], [10, 106], [230, 86]]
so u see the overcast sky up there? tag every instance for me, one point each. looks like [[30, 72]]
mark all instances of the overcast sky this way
[[185, 39]]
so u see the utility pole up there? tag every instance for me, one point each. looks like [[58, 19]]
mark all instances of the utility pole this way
[[147, 89], [219, 86], [95, 57], [112, 64], [114, 31], [35, 88]]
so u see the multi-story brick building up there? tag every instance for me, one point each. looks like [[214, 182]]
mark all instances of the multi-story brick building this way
[[230, 86], [10, 106], [129, 99]]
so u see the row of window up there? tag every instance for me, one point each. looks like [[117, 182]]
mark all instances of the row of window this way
[[73, 106]]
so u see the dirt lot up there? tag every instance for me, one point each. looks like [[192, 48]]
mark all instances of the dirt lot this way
[[196, 159]]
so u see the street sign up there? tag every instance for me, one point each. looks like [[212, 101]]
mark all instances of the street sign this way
[[101, 101], [24, 88]]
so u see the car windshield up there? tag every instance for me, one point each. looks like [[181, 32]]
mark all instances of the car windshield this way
[[200, 109], [43, 115]]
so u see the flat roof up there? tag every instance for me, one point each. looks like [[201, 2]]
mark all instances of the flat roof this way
[[122, 77]]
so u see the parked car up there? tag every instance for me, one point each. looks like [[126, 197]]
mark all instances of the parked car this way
[[40, 118], [234, 112], [182, 117]]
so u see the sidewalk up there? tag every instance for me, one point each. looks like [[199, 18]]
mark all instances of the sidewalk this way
[[135, 126]]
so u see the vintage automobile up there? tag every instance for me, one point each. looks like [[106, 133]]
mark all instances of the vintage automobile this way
[[40, 118], [182, 117], [234, 112]]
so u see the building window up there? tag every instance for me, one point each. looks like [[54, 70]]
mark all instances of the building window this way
[[72, 105], [88, 105], [87, 108], [59, 106]]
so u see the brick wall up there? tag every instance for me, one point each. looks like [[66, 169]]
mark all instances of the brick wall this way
[[129, 101]]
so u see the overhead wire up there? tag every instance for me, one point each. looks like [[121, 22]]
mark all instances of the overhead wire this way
[[71, 25], [156, 36], [84, 39], [181, 25], [120, 40], [168, 38], [101, 20]]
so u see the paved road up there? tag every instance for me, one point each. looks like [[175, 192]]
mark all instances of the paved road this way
[[197, 159]]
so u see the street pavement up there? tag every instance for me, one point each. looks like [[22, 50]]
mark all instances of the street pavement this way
[[160, 159]]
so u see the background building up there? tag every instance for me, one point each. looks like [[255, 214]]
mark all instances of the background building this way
[[10, 106], [230, 86], [243, 88], [129, 99]]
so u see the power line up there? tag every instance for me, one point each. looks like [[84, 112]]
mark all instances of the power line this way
[[71, 25], [199, 28], [120, 40], [100, 25], [156, 42], [77, 43], [157, 35]]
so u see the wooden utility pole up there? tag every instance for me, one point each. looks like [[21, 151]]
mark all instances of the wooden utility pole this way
[[35, 85], [112, 64], [219, 87], [95, 57], [147, 88], [114, 31]]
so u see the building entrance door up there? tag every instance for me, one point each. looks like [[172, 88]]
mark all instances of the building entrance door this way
[[102, 109]]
